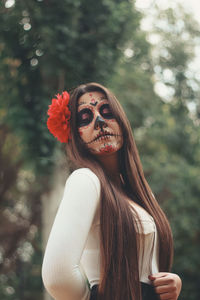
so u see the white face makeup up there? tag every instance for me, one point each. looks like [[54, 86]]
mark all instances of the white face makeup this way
[[96, 124]]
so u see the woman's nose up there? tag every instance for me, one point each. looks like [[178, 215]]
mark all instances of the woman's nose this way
[[100, 123]]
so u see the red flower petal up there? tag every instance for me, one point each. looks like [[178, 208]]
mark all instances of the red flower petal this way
[[59, 116]]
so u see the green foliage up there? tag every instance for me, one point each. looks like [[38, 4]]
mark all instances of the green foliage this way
[[177, 34], [46, 47], [133, 84], [49, 46], [24, 280], [167, 131]]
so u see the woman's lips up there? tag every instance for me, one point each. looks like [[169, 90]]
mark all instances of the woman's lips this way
[[103, 136]]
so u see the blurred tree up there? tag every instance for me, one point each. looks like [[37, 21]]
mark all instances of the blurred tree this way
[[46, 46], [166, 129], [133, 82], [178, 133], [20, 250]]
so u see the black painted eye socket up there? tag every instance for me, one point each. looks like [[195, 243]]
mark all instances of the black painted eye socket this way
[[85, 117], [106, 112]]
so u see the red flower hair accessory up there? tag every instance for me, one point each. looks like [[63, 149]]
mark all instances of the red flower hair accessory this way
[[59, 116]]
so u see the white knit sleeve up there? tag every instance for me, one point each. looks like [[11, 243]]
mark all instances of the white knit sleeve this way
[[61, 273]]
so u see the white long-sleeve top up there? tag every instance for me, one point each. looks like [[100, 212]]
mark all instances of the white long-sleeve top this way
[[72, 255]]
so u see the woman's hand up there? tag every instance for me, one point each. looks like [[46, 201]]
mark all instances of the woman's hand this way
[[167, 285]]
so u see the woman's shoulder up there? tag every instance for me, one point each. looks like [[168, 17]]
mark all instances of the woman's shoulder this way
[[85, 174]]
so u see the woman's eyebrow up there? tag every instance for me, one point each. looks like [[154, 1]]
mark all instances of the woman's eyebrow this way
[[81, 103], [103, 98]]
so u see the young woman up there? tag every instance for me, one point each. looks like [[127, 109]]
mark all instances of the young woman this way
[[110, 239]]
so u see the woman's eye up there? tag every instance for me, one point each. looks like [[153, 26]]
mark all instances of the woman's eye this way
[[85, 116], [106, 111]]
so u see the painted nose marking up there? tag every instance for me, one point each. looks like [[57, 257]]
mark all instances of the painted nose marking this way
[[93, 102], [99, 122]]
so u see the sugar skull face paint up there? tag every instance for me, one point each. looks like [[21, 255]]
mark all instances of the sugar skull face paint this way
[[96, 124]]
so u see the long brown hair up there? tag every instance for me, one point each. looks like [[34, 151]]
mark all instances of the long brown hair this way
[[120, 245]]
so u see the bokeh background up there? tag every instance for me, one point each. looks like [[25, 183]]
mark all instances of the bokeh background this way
[[147, 53]]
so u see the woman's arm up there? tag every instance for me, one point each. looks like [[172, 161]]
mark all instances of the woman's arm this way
[[61, 274], [167, 285]]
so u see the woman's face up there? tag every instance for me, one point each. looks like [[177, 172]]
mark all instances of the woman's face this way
[[96, 124]]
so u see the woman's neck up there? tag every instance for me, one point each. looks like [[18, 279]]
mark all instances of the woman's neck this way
[[111, 166]]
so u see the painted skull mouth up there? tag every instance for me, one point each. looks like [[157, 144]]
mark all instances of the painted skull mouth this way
[[102, 135]]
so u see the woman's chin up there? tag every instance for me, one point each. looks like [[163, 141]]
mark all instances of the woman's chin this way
[[105, 149]]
